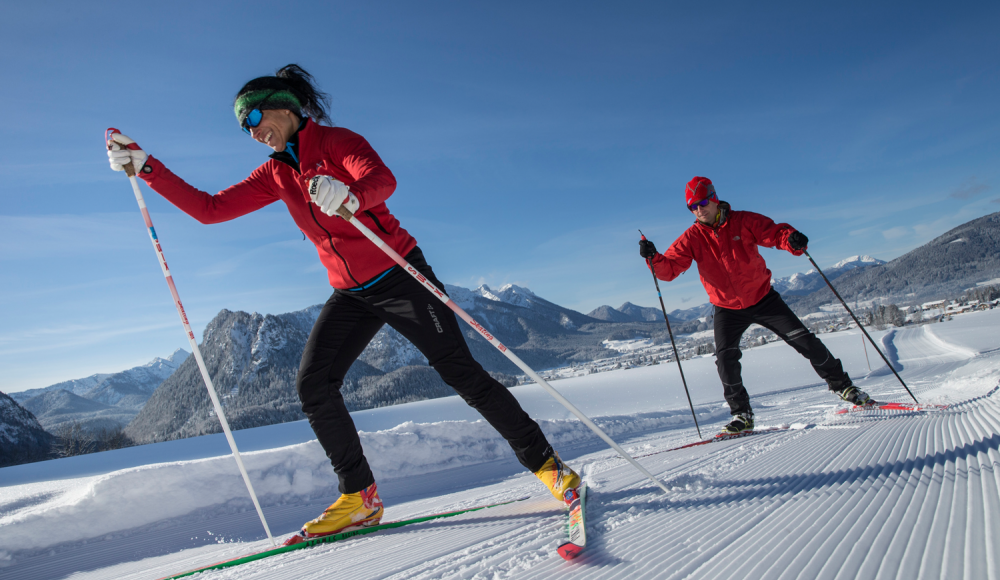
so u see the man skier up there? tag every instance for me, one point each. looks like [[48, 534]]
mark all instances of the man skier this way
[[724, 244], [314, 170]]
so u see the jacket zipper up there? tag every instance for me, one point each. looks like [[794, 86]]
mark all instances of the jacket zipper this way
[[329, 239], [377, 223]]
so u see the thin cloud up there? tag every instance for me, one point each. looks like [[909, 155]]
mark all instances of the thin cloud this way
[[897, 232], [969, 189]]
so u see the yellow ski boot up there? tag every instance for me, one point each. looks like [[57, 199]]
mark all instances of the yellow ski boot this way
[[558, 477], [352, 510]]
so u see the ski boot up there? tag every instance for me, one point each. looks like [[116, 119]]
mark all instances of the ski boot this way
[[352, 510], [855, 396], [741, 423], [561, 480]]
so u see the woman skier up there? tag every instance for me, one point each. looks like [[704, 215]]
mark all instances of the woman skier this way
[[315, 169], [724, 244]]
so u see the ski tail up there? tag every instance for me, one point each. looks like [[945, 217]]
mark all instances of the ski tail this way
[[576, 527]]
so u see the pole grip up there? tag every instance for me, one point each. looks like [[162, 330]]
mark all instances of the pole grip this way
[[344, 212], [129, 169]]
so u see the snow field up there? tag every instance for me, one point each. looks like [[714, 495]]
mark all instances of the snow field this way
[[864, 495]]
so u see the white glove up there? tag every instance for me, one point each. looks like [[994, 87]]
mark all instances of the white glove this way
[[329, 194], [120, 155]]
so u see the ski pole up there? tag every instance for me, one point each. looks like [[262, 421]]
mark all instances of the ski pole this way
[[347, 215], [877, 349], [677, 357], [130, 171], [867, 360]]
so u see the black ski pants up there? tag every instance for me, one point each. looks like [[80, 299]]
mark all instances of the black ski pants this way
[[773, 314], [349, 321]]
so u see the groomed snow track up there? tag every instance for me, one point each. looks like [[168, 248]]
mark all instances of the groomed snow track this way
[[883, 495], [877, 495]]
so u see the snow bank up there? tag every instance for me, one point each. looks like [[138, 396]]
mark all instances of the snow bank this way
[[132, 498]]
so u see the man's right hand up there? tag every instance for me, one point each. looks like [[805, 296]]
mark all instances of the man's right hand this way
[[798, 241], [646, 249]]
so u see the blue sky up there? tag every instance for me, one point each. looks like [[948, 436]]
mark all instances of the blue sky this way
[[530, 142]]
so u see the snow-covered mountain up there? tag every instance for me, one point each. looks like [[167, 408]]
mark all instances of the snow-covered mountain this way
[[22, 438], [702, 311], [112, 388], [132, 388], [253, 360], [957, 260], [524, 298], [802, 283], [100, 401], [628, 312]]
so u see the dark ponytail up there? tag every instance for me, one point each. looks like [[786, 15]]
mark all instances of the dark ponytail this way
[[314, 101], [294, 79]]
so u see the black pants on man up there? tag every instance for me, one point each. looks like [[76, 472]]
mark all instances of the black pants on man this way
[[348, 322], [773, 314]]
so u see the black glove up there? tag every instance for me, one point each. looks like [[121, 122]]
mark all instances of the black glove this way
[[646, 249], [798, 241]]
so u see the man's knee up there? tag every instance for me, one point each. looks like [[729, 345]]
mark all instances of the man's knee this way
[[727, 355]]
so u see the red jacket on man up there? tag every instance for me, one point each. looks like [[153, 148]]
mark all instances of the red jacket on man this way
[[732, 270], [350, 258]]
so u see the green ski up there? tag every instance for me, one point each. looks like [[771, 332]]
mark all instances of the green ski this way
[[333, 538]]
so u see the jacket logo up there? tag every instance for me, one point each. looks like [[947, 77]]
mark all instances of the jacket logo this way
[[735, 238]]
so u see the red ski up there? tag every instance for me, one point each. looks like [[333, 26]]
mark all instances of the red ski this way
[[576, 527], [893, 407], [721, 437]]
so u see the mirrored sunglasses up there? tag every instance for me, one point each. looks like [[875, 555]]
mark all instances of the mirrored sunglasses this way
[[698, 204], [252, 120], [254, 117]]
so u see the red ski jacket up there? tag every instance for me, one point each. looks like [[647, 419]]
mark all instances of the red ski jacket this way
[[350, 258], [732, 270]]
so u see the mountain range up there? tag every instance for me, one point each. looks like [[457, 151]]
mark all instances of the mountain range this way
[[253, 358], [946, 266], [101, 401], [805, 283]]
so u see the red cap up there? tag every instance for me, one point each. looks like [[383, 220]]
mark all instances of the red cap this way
[[698, 189]]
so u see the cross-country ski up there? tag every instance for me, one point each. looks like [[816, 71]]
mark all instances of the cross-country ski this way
[[297, 542], [576, 524], [874, 406]]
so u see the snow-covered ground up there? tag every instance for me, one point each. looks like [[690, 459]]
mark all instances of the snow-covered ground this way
[[863, 495]]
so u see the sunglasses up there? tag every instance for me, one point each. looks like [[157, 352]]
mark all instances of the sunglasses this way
[[254, 117], [698, 204]]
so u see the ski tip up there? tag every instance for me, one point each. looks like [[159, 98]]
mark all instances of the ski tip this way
[[569, 550]]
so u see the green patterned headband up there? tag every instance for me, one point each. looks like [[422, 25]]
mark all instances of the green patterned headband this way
[[265, 99]]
